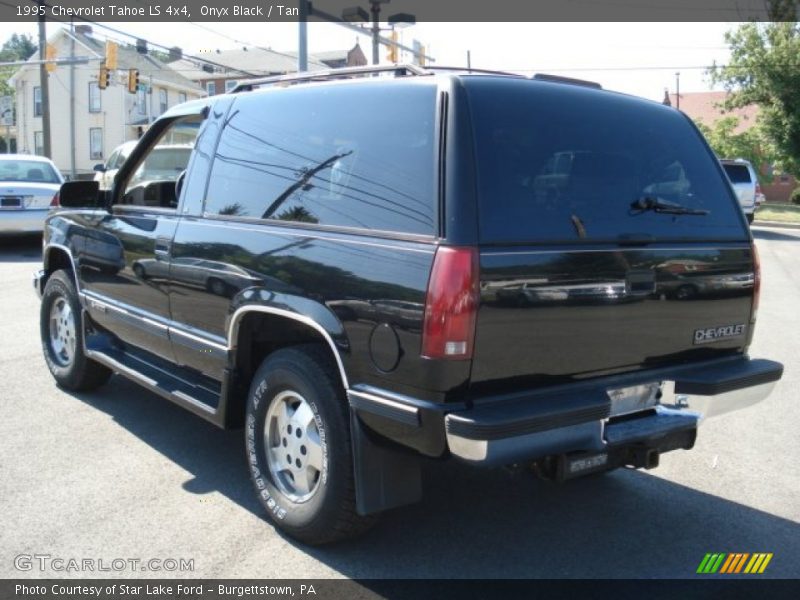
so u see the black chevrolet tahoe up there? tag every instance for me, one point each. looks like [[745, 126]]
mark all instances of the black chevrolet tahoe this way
[[373, 267]]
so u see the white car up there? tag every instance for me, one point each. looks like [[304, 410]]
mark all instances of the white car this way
[[743, 177], [28, 189], [105, 172]]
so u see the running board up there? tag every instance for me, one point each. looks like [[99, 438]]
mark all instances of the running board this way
[[196, 399]]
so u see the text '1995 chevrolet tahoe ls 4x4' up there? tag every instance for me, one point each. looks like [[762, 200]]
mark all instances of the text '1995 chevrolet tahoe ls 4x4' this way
[[364, 271]]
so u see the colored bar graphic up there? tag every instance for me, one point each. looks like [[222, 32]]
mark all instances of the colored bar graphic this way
[[729, 564]]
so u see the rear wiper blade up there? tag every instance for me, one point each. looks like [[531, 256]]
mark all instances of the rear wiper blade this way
[[660, 205]]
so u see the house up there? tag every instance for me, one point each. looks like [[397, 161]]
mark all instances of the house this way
[[220, 71], [706, 108], [103, 119]]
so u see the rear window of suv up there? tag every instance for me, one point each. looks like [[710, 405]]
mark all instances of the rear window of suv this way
[[737, 173], [559, 162], [358, 155]]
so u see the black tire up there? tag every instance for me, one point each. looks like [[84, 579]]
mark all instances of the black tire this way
[[139, 271], [750, 217], [77, 372], [329, 514], [217, 287]]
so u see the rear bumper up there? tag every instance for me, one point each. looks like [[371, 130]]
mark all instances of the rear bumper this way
[[573, 418], [29, 220]]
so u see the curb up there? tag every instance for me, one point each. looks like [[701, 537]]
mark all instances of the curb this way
[[776, 224]]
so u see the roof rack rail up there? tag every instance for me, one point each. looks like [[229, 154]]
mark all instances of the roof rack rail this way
[[331, 74], [567, 80]]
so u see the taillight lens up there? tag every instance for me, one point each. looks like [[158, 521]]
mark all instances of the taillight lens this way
[[756, 283], [55, 201], [451, 305]]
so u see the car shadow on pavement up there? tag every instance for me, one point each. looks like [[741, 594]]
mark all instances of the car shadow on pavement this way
[[475, 523], [768, 234], [21, 249]]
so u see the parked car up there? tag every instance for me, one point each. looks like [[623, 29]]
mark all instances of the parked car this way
[[105, 172], [744, 179], [371, 330], [28, 189]]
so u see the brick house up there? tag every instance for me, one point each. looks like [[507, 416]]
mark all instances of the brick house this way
[[706, 108]]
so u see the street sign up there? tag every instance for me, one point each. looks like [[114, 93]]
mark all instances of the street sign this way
[[6, 111]]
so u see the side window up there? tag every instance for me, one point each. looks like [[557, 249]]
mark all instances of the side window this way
[[112, 160], [351, 155], [153, 182]]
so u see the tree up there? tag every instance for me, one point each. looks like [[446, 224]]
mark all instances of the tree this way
[[728, 143], [17, 47], [764, 69]]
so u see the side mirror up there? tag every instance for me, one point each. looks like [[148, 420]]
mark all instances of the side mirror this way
[[80, 194], [100, 168]]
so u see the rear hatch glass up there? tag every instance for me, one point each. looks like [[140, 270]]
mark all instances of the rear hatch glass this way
[[567, 163], [737, 173]]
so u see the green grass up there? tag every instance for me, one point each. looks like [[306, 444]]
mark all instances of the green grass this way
[[785, 213]]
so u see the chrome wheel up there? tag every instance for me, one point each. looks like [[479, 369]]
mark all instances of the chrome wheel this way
[[293, 446], [62, 332]]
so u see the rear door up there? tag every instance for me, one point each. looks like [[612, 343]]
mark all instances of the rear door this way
[[578, 277]]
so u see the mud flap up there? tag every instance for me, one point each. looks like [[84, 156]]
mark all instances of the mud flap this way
[[385, 478]]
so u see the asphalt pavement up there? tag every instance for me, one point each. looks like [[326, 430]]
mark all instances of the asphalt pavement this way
[[122, 474]]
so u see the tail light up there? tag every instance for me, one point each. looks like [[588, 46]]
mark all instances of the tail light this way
[[758, 188], [756, 283], [55, 201], [451, 304]]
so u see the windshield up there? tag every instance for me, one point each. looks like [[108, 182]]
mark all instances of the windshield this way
[[28, 171], [558, 162]]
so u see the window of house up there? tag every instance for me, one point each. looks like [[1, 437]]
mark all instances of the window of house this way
[[94, 97], [181, 97], [211, 88], [96, 143], [37, 102], [141, 102], [230, 84], [38, 143], [162, 101]]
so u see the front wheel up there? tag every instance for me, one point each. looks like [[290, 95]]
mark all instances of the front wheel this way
[[297, 437], [61, 331]]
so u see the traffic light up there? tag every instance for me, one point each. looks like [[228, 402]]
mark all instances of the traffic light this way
[[111, 54], [50, 55], [391, 51], [133, 80], [104, 77]]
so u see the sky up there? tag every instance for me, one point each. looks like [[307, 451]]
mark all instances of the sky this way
[[635, 58]]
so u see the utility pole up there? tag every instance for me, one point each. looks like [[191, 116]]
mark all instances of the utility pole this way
[[43, 83], [678, 90], [302, 37], [375, 9], [469, 62], [72, 102]]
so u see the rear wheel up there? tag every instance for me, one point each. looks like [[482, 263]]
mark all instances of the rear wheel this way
[[297, 437], [61, 331], [750, 217]]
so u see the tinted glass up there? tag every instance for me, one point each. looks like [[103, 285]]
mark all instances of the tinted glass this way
[[29, 171], [738, 173], [357, 155], [563, 162]]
